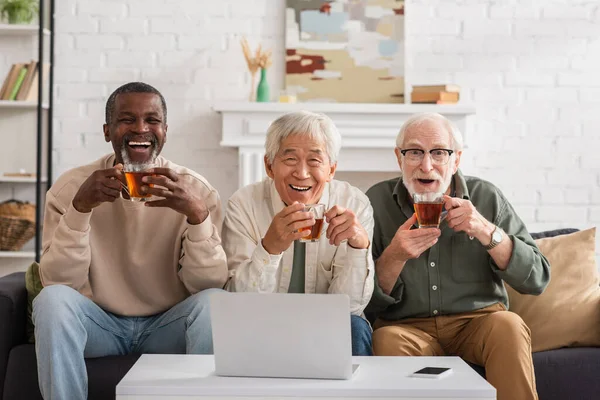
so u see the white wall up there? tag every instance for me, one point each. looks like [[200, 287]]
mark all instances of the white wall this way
[[530, 67]]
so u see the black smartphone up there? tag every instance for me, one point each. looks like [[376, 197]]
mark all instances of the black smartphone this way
[[432, 372]]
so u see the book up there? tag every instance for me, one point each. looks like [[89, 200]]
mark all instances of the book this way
[[436, 88], [18, 82], [27, 82], [12, 78], [434, 97], [6, 80]]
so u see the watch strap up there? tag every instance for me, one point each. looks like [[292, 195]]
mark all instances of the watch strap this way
[[493, 242]]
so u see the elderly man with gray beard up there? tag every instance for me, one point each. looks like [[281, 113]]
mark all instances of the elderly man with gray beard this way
[[439, 291], [121, 276]]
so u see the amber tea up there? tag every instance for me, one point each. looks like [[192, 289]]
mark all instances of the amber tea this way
[[428, 207], [134, 172], [428, 214], [134, 183], [318, 211], [315, 231]]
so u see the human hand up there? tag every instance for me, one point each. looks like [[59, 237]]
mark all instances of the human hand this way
[[103, 185], [411, 243], [344, 225], [288, 225], [177, 194], [463, 217]]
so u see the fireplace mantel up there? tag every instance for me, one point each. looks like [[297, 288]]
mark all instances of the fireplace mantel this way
[[368, 131]]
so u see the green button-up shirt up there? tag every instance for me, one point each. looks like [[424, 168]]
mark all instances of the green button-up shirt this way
[[457, 274]]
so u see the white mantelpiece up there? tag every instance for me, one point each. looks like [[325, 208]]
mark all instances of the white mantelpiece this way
[[368, 131]]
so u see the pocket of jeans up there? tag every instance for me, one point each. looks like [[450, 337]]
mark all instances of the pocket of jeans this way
[[470, 260]]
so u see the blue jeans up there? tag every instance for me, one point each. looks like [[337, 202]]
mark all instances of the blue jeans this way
[[361, 336], [70, 327]]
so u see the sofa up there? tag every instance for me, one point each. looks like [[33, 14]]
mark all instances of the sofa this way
[[561, 374]]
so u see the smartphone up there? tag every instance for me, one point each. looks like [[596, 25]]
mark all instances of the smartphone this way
[[432, 372]]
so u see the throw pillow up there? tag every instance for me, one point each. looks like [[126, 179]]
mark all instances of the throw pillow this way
[[33, 284], [568, 312]]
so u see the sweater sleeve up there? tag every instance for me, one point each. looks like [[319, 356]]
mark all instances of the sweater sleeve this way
[[66, 254], [203, 262]]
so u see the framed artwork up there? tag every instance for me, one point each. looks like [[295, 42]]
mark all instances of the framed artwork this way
[[349, 51]]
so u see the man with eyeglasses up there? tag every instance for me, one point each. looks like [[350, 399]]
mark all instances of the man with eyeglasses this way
[[439, 291]]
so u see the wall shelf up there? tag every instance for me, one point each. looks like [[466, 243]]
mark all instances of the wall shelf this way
[[17, 179], [21, 104], [17, 254], [21, 30]]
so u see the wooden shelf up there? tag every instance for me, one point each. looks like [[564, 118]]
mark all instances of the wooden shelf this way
[[17, 179], [17, 254], [20, 30], [20, 104]]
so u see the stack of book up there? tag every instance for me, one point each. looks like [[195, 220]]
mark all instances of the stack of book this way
[[21, 83], [435, 94]]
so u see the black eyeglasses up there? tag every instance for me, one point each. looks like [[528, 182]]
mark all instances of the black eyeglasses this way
[[438, 156]]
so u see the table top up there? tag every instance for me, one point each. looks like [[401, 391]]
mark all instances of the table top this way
[[167, 374]]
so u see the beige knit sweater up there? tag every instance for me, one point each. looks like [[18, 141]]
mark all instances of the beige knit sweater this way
[[130, 259]]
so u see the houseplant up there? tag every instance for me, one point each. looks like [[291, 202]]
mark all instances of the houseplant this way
[[19, 11]]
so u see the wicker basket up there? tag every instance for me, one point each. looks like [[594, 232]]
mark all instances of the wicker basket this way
[[17, 224]]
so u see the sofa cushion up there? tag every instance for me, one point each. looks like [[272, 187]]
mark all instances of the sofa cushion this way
[[103, 374], [567, 373], [568, 312]]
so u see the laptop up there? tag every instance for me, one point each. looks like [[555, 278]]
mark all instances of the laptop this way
[[282, 335]]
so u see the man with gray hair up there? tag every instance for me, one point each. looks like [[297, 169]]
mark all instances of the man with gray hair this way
[[265, 221], [439, 291]]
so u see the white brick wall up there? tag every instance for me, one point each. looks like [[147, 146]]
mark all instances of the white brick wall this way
[[530, 67]]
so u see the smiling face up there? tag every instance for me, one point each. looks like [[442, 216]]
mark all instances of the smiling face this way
[[138, 129], [300, 170], [426, 176]]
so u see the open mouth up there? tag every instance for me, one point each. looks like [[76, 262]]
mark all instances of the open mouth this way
[[300, 188], [138, 145], [426, 181]]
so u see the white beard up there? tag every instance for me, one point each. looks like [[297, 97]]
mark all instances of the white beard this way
[[443, 187]]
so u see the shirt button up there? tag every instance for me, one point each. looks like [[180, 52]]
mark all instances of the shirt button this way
[[434, 287], [435, 312], [432, 264], [265, 261]]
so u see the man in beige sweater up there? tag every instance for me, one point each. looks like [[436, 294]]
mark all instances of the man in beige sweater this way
[[121, 276]]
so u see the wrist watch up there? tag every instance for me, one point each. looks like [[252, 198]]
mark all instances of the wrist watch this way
[[497, 236]]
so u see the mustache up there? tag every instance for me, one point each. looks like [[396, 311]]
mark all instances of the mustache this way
[[433, 176]]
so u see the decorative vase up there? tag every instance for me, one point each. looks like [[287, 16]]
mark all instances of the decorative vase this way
[[262, 91]]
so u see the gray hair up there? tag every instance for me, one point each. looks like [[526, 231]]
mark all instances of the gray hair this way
[[305, 123], [418, 119]]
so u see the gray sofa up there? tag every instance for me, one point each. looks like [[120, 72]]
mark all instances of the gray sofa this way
[[563, 374]]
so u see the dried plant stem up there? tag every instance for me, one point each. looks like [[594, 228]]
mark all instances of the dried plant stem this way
[[252, 91]]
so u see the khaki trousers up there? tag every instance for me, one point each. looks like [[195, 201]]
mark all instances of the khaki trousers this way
[[492, 337]]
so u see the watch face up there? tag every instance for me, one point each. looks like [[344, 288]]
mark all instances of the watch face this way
[[497, 236]]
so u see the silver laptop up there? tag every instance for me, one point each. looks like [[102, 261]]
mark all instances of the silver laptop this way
[[282, 335]]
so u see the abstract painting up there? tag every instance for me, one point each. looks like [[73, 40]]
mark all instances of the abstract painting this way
[[349, 51]]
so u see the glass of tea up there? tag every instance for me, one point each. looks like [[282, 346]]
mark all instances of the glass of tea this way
[[428, 207], [318, 211], [134, 172]]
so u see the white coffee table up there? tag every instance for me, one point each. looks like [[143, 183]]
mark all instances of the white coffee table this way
[[188, 377]]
